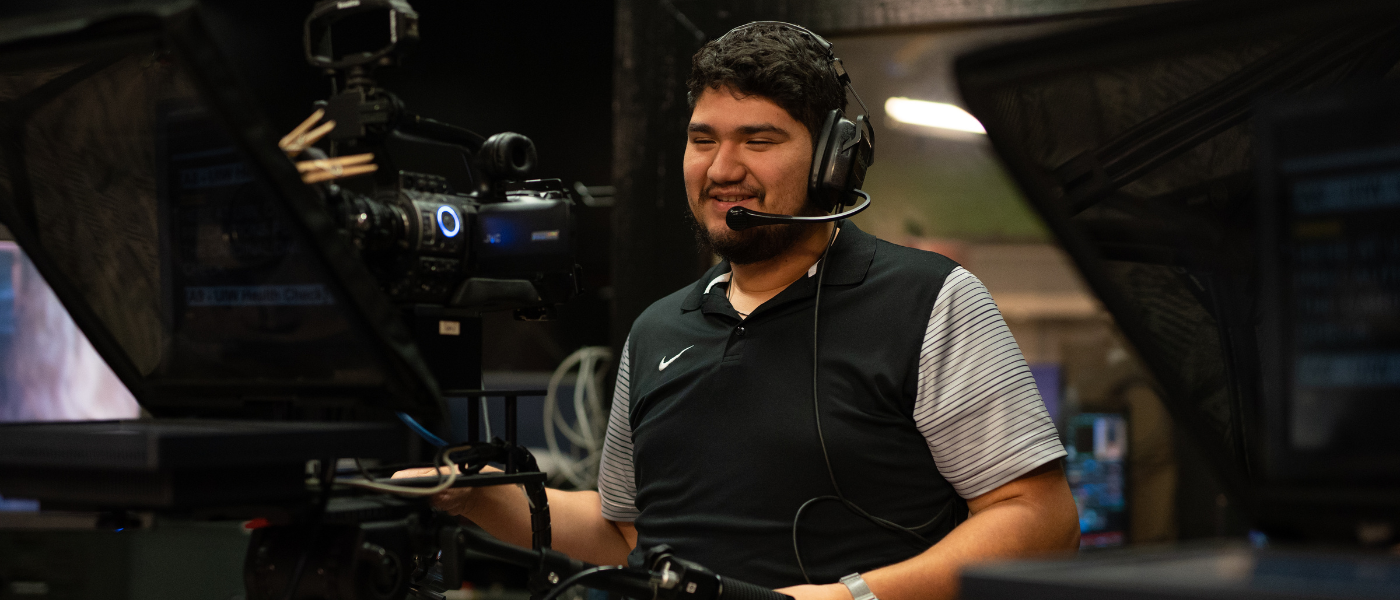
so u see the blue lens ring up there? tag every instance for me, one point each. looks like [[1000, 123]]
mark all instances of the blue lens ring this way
[[456, 221]]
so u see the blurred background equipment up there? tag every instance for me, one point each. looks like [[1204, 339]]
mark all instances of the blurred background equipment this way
[[51, 372], [1222, 253], [1231, 202], [1097, 447]]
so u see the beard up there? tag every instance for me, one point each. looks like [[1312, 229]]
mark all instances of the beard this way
[[755, 244]]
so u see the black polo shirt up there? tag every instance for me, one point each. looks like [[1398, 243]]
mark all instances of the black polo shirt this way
[[712, 446]]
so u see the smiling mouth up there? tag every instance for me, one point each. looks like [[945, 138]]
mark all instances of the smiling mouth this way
[[731, 199]]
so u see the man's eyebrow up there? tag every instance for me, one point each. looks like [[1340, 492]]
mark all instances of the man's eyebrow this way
[[706, 128], [762, 128]]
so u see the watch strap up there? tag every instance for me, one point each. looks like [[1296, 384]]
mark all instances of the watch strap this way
[[859, 590]]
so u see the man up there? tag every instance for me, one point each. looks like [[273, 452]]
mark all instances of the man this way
[[718, 444]]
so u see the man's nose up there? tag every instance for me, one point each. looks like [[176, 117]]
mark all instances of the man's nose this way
[[728, 166]]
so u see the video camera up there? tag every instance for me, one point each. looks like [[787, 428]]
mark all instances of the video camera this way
[[506, 242]]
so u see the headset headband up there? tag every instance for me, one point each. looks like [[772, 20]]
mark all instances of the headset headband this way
[[842, 78], [821, 41]]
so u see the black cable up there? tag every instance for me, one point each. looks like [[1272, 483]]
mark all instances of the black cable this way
[[578, 578], [364, 472], [821, 438], [895, 527], [541, 531], [816, 371], [796, 550]]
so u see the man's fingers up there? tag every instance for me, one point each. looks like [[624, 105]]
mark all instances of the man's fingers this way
[[420, 472]]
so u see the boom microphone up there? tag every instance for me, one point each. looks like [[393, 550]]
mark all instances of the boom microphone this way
[[739, 218]]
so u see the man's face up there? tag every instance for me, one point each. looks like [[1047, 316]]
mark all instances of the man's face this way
[[745, 151]]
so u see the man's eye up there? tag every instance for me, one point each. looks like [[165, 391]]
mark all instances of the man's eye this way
[[760, 142], [701, 141]]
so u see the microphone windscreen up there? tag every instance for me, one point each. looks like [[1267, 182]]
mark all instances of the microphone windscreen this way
[[740, 218]]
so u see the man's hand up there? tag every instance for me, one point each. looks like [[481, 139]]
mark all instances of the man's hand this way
[[456, 501], [579, 528], [831, 591]]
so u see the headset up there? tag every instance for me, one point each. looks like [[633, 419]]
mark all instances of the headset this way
[[841, 151]]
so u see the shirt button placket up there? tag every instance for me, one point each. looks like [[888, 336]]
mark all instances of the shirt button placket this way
[[735, 348]]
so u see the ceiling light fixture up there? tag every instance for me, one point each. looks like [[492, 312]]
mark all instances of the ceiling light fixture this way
[[932, 114]]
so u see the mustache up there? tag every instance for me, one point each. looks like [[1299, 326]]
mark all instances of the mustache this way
[[709, 191]]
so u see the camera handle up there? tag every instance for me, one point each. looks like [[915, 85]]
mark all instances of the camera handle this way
[[368, 113], [436, 130], [521, 466]]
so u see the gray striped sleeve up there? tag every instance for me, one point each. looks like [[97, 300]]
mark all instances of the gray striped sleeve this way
[[616, 484], [977, 404]]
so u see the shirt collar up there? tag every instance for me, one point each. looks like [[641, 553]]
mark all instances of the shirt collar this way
[[723, 278], [850, 256]]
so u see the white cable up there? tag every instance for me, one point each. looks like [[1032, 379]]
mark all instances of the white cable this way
[[553, 419], [486, 418], [580, 469], [580, 411], [597, 416], [552, 403], [405, 490]]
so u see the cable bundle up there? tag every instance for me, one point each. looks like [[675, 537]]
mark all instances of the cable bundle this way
[[580, 466]]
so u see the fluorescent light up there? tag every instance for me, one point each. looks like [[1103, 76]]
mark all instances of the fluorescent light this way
[[932, 114]]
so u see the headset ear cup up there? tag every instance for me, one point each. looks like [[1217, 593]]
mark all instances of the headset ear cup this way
[[842, 176], [862, 155], [823, 147], [830, 165], [840, 168]]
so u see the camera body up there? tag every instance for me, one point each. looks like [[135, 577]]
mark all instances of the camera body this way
[[426, 244]]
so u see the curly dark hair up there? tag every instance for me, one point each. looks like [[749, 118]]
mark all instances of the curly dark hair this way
[[774, 61]]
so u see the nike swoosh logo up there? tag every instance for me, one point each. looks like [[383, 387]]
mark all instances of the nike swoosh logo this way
[[666, 363]]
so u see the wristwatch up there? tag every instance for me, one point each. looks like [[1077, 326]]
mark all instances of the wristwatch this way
[[859, 591]]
